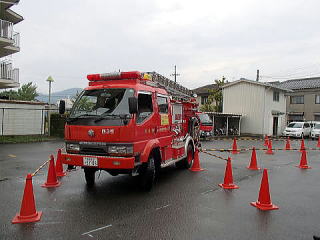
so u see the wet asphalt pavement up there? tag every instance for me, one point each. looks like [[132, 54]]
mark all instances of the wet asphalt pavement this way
[[182, 205]]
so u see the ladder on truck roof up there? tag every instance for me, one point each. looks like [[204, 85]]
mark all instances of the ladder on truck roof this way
[[173, 88]]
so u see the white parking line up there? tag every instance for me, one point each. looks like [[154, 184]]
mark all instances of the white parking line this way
[[98, 229], [162, 207]]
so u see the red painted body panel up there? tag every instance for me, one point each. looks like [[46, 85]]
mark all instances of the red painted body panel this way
[[103, 162], [206, 128]]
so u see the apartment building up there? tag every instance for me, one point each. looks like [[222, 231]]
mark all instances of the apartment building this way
[[303, 104], [9, 44]]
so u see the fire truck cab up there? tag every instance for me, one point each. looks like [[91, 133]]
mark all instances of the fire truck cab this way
[[131, 123]]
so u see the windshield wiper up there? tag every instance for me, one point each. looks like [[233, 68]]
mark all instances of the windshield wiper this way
[[71, 119], [104, 116]]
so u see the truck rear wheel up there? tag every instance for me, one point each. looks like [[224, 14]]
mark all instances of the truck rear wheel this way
[[147, 175], [90, 176], [187, 162]]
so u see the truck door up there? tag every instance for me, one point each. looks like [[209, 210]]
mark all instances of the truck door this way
[[145, 118], [163, 130]]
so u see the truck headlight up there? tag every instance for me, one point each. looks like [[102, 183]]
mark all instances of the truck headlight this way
[[123, 150], [72, 147]]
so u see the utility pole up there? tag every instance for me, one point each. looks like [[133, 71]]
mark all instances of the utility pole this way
[[50, 80], [175, 74], [257, 75]]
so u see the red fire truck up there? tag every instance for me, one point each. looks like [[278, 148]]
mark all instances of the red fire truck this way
[[206, 125], [131, 123]]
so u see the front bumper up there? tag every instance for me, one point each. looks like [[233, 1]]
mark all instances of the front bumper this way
[[104, 162], [292, 134], [315, 135], [205, 133]]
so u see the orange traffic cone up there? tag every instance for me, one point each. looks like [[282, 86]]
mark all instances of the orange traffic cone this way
[[264, 200], [59, 166], [196, 162], [303, 161], [52, 180], [28, 212], [266, 141], [302, 147], [318, 145], [253, 163], [269, 151], [288, 146], [234, 146], [228, 178]]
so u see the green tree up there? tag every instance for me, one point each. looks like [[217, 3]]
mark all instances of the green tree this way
[[215, 95], [27, 92], [11, 94]]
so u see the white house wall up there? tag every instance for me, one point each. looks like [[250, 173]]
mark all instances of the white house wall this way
[[255, 103], [246, 99], [274, 106], [21, 119]]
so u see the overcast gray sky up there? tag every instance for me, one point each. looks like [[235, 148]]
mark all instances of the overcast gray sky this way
[[206, 39]]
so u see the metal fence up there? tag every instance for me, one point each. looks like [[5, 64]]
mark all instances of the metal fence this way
[[24, 121]]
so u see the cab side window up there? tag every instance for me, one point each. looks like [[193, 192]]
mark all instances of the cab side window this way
[[306, 125], [163, 104], [145, 108]]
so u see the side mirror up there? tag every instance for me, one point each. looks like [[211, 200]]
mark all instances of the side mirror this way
[[133, 105], [62, 106]]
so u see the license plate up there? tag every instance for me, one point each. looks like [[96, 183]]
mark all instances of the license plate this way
[[90, 161]]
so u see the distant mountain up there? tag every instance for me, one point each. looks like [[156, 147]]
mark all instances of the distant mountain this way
[[55, 96]]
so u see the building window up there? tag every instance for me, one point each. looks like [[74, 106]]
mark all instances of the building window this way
[[204, 100], [275, 96], [317, 99], [297, 99], [295, 117]]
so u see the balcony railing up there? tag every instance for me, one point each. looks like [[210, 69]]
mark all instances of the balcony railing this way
[[6, 72], [6, 29], [16, 39]]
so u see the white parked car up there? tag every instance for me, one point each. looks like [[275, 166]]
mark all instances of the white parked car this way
[[297, 129], [315, 132]]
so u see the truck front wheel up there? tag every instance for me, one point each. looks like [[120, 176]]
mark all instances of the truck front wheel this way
[[90, 176], [147, 175], [187, 162]]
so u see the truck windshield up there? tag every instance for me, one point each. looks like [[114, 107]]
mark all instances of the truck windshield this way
[[102, 102], [204, 118]]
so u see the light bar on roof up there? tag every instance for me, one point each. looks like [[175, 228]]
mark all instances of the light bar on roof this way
[[114, 76]]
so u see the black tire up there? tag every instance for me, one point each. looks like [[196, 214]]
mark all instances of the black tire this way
[[187, 162], [147, 175], [90, 175]]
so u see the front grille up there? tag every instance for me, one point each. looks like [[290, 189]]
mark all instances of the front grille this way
[[93, 151]]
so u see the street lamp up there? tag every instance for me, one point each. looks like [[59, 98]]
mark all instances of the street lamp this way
[[50, 80]]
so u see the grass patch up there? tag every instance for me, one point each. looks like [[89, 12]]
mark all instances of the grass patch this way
[[26, 139]]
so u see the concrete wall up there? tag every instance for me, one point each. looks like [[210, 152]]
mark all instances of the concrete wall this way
[[309, 107], [21, 118], [255, 104]]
